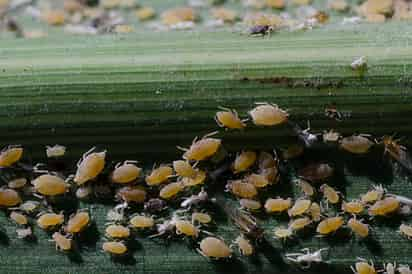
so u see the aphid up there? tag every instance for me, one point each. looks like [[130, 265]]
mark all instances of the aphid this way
[[29, 206], [159, 175], [402, 199], [316, 172], [250, 204], [202, 149], [300, 207], [123, 28], [9, 197], [18, 218], [125, 173], [299, 223], [171, 190], [329, 225], [54, 17], [117, 231], [17, 183], [404, 269], [406, 230], [338, 5], [141, 222], [202, 196], [62, 242], [331, 136], [241, 189], [390, 268], [306, 258], [384, 207], [315, 212], [356, 144], [261, 30], [244, 245], [268, 115], [277, 205], [306, 188], [353, 207], [363, 267], [271, 174], [24, 232], [186, 228], [50, 185], [10, 155], [359, 228], [293, 151], [145, 13], [257, 180], [178, 15], [154, 205], [275, 4], [55, 151], [373, 195], [397, 152], [330, 194], [78, 222], [197, 179], [114, 248], [244, 161], [135, 194], [214, 248], [50, 220], [266, 160], [282, 233], [83, 192], [224, 14], [203, 218], [229, 118], [183, 168], [90, 166]]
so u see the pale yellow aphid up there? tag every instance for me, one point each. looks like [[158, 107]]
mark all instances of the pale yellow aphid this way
[[50, 220], [315, 212], [363, 267], [266, 160], [203, 218], [62, 243], [244, 161], [271, 174], [241, 189], [159, 175], [338, 5], [10, 155], [197, 179], [135, 194], [19, 218], [114, 248], [277, 205], [55, 151], [29, 206], [300, 207], [123, 28], [178, 15], [299, 223], [329, 225], [91, 165], [406, 230], [359, 228], [245, 247], [250, 204], [9, 197], [268, 115], [142, 222], [186, 228], [356, 144], [145, 13], [117, 231], [306, 188], [384, 207], [381, 7], [229, 118], [78, 222], [215, 248], [125, 173], [54, 17], [330, 194], [226, 15], [373, 195], [282, 233], [275, 4], [353, 207], [258, 180], [171, 190], [50, 185], [202, 149], [17, 183], [183, 168]]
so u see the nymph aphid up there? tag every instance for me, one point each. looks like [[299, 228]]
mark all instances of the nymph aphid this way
[[299, 223], [62, 242], [282, 233], [214, 248], [358, 227], [330, 194], [78, 222], [363, 267], [244, 161], [300, 207], [201, 218], [17, 183], [186, 228], [229, 118], [131, 194], [353, 207], [55, 151], [50, 185], [268, 115], [202, 149], [306, 187], [244, 245], [125, 172], [250, 204], [316, 172], [141, 222], [90, 166], [197, 179], [183, 168], [19, 218], [258, 180], [329, 225], [115, 231], [241, 189], [315, 212], [170, 191], [373, 195], [159, 175], [406, 230], [356, 144], [50, 220], [305, 258], [10, 155], [114, 248], [155, 205], [277, 205], [9, 197], [384, 207]]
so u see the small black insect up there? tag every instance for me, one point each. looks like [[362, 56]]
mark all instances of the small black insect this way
[[260, 30]]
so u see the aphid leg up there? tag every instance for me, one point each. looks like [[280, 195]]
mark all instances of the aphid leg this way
[[88, 152], [210, 134], [182, 148], [37, 168]]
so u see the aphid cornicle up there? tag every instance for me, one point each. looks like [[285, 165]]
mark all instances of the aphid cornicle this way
[[78, 222], [10, 155], [384, 207], [214, 248], [171, 190], [406, 230], [316, 172], [241, 189], [277, 205], [250, 204], [18, 218], [299, 223], [183, 168], [363, 267], [62, 242], [134, 194], [159, 175], [329, 225], [202, 149], [359, 228], [50, 220], [300, 207], [268, 115], [353, 207], [330, 194], [141, 222], [50, 185], [90, 166], [114, 248], [244, 245], [125, 173], [9, 197], [356, 144], [117, 231], [244, 161], [229, 118]]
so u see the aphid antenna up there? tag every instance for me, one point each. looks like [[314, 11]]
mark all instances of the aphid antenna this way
[[182, 148], [225, 108], [88, 152]]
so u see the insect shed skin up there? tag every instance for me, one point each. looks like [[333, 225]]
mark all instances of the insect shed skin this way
[[62, 242]]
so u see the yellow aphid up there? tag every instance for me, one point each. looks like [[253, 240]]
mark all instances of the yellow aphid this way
[[244, 161], [123, 28], [178, 15], [29, 206], [215, 248], [321, 17], [277, 205], [406, 230], [241, 189], [56, 150], [186, 228], [9, 197], [275, 4], [353, 207], [330, 194], [384, 207], [375, 18], [145, 13], [271, 174], [78, 222], [90, 167], [50, 185], [302, 2], [171, 190], [245, 247], [125, 173], [300, 207], [19, 218], [10, 155], [17, 183], [198, 178], [117, 231], [202, 218], [202, 149], [266, 160], [54, 17], [135, 194], [299, 223], [359, 228], [268, 115], [364, 268], [50, 220], [62, 243], [159, 175], [229, 119], [338, 5], [183, 168], [114, 248], [315, 212], [225, 15], [306, 188], [293, 151], [373, 195], [329, 225], [356, 144], [142, 222], [283, 233], [257, 180], [250, 204]]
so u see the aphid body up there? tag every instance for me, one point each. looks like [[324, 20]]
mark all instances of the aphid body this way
[[159, 175], [258, 180], [406, 230], [9, 197], [202, 149], [114, 248], [171, 190], [186, 228], [268, 114], [356, 144], [277, 205], [78, 222], [384, 207], [18, 218], [250, 204], [306, 188], [316, 172], [91, 165], [373, 195], [125, 173], [229, 119], [215, 248], [359, 228], [329, 225], [299, 223], [244, 161], [300, 207], [199, 217], [283, 233], [135, 194], [353, 207], [50, 185], [17, 183], [315, 211], [50, 220], [363, 267], [183, 168], [10, 155], [117, 231], [241, 189], [141, 222], [245, 247], [330, 194], [197, 179], [62, 243]]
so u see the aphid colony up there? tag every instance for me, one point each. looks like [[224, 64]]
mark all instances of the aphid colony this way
[[178, 200]]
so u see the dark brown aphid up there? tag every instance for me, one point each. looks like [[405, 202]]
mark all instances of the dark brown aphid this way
[[155, 205], [134, 194], [262, 30], [316, 172]]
